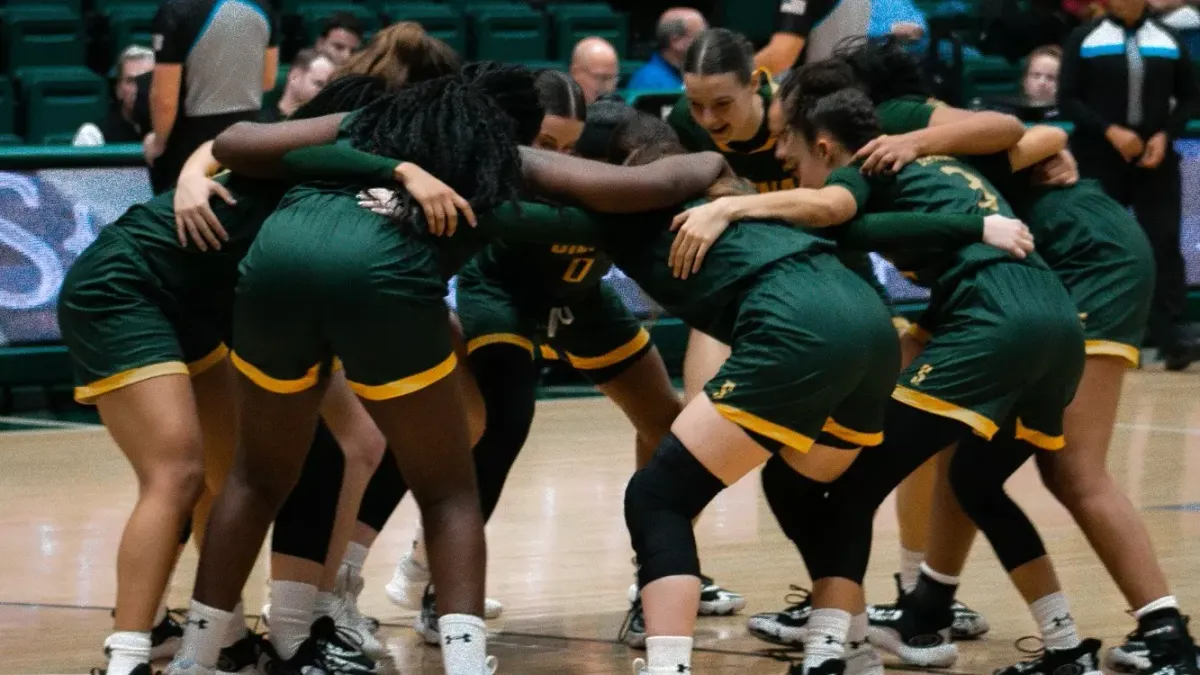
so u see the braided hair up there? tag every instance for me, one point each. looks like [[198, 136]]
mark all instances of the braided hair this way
[[345, 94], [464, 129], [884, 67]]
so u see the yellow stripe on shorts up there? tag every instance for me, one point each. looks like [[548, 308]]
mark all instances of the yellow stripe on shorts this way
[[795, 440], [936, 406], [274, 385], [207, 361], [859, 438], [88, 393], [614, 357], [500, 338], [1039, 439], [1110, 348], [406, 385]]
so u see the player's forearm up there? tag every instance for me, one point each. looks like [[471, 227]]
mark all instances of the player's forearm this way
[[982, 133], [201, 162], [799, 206], [1038, 144]]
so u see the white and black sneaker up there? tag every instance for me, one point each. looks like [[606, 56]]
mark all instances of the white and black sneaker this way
[[787, 627], [345, 614], [243, 656], [1162, 646], [968, 624], [426, 623], [633, 630], [328, 650], [830, 667], [1079, 660], [406, 590], [139, 669], [714, 600], [862, 659], [918, 640], [166, 637]]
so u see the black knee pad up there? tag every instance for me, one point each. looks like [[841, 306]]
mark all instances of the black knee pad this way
[[304, 524], [661, 501], [977, 476], [383, 494], [187, 531]]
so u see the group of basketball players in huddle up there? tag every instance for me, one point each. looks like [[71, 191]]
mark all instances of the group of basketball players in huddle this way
[[287, 300]]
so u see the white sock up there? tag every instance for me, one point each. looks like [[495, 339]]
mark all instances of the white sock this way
[[668, 654], [910, 568], [356, 555], [203, 634], [324, 604], [464, 644], [1053, 616], [826, 639], [237, 626], [127, 650], [1168, 602], [858, 629], [937, 576], [419, 555], [292, 614]]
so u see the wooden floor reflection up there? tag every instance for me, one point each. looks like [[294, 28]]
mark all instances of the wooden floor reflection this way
[[560, 556]]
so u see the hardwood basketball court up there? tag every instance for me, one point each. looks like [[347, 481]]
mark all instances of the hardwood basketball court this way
[[559, 552]]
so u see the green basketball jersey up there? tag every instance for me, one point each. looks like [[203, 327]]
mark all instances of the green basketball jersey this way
[[1081, 222], [554, 274], [753, 159], [930, 185], [903, 114]]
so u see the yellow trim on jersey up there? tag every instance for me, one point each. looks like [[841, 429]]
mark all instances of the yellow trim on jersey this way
[[758, 425], [208, 361], [406, 385], [918, 333], [614, 357], [901, 324], [272, 384], [547, 352], [88, 393], [936, 406], [336, 365], [501, 338], [860, 438], [1110, 348], [1041, 440]]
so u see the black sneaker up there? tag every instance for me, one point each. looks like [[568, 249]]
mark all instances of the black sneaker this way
[[968, 624], [242, 656], [1079, 660], [327, 651], [830, 667], [166, 637], [919, 638], [788, 627], [633, 630]]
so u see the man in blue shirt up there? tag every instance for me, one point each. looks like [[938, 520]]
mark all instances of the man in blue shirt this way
[[676, 29]]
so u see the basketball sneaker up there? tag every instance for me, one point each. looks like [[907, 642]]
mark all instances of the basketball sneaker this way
[[184, 668], [1079, 660], [830, 667], [714, 600], [327, 650], [426, 623], [349, 586], [919, 638], [140, 669], [243, 656], [786, 628], [406, 590], [862, 659], [1167, 649], [633, 630], [345, 614], [968, 624], [166, 637]]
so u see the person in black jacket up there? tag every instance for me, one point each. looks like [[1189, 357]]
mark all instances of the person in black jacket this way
[[1128, 86]]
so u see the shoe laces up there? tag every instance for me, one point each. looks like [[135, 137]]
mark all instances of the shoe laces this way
[[797, 597], [1037, 651], [635, 610]]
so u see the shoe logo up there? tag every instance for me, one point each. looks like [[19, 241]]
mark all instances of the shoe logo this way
[[464, 638], [198, 623], [927, 640], [831, 640], [1060, 621], [681, 668]]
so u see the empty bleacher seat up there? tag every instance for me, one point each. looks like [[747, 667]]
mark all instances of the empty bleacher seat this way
[[989, 76], [42, 36], [58, 100], [441, 21], [575, 21], [131, 24], [507, 32], [73, 6], [105, 7], [8, 135], [657, 103]]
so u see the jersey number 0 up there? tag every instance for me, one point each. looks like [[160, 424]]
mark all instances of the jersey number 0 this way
[[578, 269]]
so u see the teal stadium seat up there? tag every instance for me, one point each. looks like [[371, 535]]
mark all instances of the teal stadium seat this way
[[439, 20], [626, 70], [58, 100], [507, 32], [988, 77], [42, 36], [130, 24], [105, 7], [575, 21], [658, 103], [8, 112], [73, 6]]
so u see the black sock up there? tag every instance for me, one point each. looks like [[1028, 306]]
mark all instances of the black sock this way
[[932, 598]]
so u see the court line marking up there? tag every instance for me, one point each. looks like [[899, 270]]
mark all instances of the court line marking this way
[[1158, 427], [49, 424]]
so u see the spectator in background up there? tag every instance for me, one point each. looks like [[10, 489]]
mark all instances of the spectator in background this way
[[309, 72], [814, 28], [595, 67], [1039, 83], [1128, 86], [120, 126], [214, 59], [341, 35], [677, 28]]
